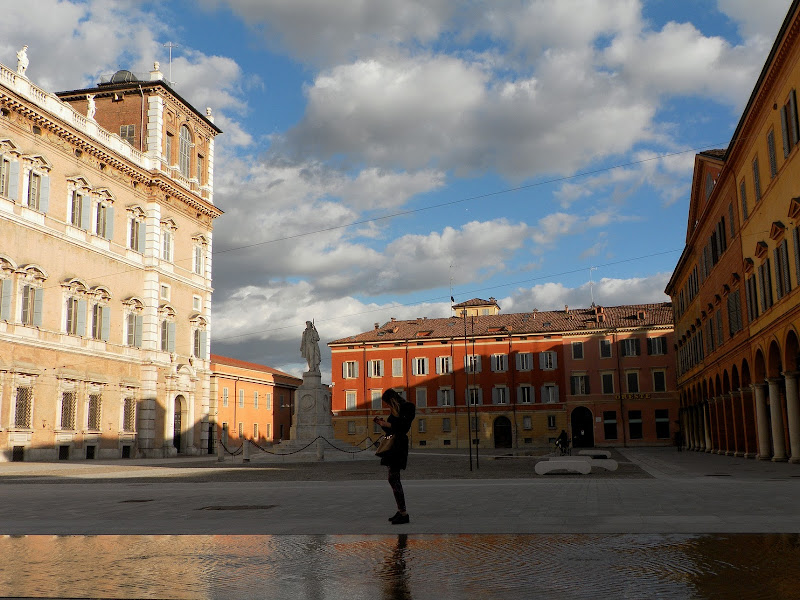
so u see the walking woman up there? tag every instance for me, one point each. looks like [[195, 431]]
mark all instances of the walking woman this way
[[397, 424]]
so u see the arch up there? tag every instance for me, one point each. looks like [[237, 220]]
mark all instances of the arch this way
[[582, 422], [746, 380], [774, 362], [735, 383], [717, 386], [134, 302], [76, 284], [180, 421], [760, 367], [791, 352], [502, 432], [33, 270], [6, 263], [726, 382], [102, 292]]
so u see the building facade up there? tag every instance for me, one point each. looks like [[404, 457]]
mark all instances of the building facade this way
[[735, 287], [604, 374], [253, 401], [105, 270]]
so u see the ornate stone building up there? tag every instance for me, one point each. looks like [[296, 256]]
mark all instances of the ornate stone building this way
[[604, 374], [736, 287], [106, 211]]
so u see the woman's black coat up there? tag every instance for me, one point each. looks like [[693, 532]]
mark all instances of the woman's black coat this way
[[398, 427]]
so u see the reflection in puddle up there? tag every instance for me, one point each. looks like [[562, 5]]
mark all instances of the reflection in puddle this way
[[402, 567]]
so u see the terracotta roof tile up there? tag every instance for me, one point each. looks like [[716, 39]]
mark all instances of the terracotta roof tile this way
[[537, 322], [476, 302], [235, 362]]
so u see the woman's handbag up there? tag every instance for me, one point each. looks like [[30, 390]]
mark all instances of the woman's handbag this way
[[385, 445]]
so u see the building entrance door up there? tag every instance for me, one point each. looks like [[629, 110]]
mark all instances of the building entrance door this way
[[176, 430], [502, 433], [582, 428]]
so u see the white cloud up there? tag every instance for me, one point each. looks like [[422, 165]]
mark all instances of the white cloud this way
[[762, 21]]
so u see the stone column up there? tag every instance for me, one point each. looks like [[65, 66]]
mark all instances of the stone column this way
[[706, 432], [738, 444], [793, 415], [695, 419], [725, 448], [776, 415], [762, 422]]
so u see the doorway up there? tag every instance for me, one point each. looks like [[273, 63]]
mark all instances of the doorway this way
[[502, 433], [582, 428], [176, 424]]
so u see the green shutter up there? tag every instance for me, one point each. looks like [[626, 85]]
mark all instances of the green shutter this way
[[5, 300], [44, 193]]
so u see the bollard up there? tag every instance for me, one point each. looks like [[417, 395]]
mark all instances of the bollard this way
[[220, 452], [245, 450]]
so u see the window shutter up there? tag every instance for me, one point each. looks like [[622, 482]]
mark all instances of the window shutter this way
[[137, 330], [785, 133], [356, 368], [5, 300], [555, 360], [542, 393], [38, 301], [480, 395], [494, 362], [438, 365], [425, 366], [495, 394], [588, 390], [44, 193], [414, 366], [541, 360], [787, 280], [519, 393], [106, 326], [649, 347], [13, 180], [555, 393], [637, 343], [81, 317], [142, 236], [86, 213], [572, 385], [344, 370], [380, 367], [109, 221], [518, 360], [795, 135], [171, 337], [203, 344], [478, 363]]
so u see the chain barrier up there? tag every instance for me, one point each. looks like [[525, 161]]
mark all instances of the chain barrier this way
[[235, 452], [319, 437]]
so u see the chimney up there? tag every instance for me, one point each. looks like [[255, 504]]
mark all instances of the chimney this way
[[377, 325], [566, 309], [393, 319]]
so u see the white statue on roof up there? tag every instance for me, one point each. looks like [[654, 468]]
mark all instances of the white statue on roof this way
[[91, 107], [22, 60]]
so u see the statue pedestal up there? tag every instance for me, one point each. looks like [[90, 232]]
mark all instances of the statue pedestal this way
[[312, 410]]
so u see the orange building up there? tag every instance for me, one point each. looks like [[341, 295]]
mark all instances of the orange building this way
[[253, 401], [736, 287], [605, 374]]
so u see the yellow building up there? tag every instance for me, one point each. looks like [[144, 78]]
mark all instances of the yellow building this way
[[737, 284], [106, 210]]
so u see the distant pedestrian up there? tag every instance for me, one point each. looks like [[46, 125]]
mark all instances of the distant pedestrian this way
[[397, 425]]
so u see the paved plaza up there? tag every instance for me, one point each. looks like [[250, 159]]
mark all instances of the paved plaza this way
[[655, 490]]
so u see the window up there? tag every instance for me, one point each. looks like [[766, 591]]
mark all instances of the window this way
[[446, 427], [659, 381], [198, 258], [5, 299], [23, 410], [241, 398], [632, 377], [662, 423], [444, 364], [421, 425], [605, 348], [773, 162], [241, 429], [79, 210], [551, 421], [350, 369], [255, 400], [549, 393], [350, 400], [500, 395], [375, 396], [100, 322], [630, 347], [133, 325], [720, 337], [472, 363], [783, 283], [255, 431], [422, 397], [607, 380], [756, 179], [525, 394], [419, 366], [445, 397], [224, 396], [185, 151], [269, 431], [657, 346], [475, 396], [128, 133], [789, 125], [743, 198], [734, 313], [765, 285], [199, 343], [527, 423], [31, 309], [397, 367], [36, 195], [577, 350], [197, 303], [201, 167], [166, 244], [68, 406], [9, 178], [269, 405], [524, 361], [548, 361], [579, 385], [167, 336], [375, 368], [610, 424], [129, 415], [351, 427], [94, 413], [752, 298], [499, 363], [635, 424], [136, 231], [104, 220], [76, 316]]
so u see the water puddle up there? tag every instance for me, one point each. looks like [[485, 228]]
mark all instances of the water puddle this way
[[401, 567]]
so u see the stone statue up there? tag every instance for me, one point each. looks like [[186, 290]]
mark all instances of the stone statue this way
[[91, 108], [309, 347], [22, 60]]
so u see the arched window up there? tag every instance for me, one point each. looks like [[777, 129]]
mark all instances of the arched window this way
[[185, 151]]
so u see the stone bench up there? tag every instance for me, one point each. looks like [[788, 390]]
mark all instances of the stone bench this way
[[596, 453], [557, 464]]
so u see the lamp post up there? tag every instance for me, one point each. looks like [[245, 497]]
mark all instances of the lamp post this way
[[466, 386]]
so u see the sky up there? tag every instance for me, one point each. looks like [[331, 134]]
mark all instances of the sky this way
[[379, 156]]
